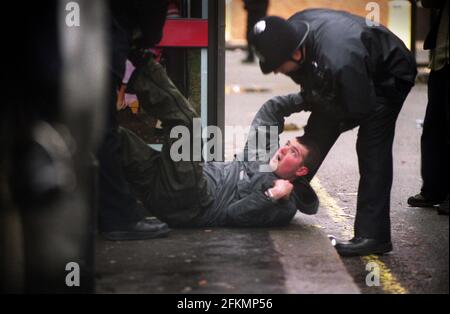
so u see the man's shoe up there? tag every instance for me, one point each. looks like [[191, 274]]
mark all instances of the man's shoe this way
[[142, 230], [362, 247], [443, 208], [420, 201]]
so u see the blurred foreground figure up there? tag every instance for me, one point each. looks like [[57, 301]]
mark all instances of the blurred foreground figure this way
[[51, 125]]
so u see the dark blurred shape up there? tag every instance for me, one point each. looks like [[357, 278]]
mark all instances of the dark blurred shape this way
[[50, 125], [256, 10]]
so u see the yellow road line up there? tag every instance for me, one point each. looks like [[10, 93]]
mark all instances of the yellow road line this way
[[387, 279]]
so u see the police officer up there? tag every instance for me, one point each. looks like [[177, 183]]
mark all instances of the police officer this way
[[351, 74]]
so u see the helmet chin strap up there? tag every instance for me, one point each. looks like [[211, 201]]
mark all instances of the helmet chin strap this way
[[302, 59], [303, 54], [294, 75]]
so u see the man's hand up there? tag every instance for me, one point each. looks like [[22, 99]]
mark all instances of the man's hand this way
[[120, 103], [282, 189]]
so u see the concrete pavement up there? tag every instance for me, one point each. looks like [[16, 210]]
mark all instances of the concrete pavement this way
[[296, 259]]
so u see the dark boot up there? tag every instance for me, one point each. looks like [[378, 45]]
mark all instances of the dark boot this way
[[362, 247], [420, 201], [142, 230]]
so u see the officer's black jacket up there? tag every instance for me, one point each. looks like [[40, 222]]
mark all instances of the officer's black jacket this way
[[348, 64]]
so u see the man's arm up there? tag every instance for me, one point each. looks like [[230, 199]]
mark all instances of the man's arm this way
[[272, 114]]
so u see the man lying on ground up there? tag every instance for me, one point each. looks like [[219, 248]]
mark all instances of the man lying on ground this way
[[196, 194]]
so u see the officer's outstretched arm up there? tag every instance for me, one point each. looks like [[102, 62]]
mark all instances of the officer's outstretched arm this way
[[273, 112], [270, 119]]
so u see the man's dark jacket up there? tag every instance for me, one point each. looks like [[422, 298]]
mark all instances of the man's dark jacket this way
[[349, 63], [194, 194], [238, 187]]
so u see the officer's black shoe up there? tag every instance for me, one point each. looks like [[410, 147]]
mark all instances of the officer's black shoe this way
[[362, 247], [142, 230], [420, 201]]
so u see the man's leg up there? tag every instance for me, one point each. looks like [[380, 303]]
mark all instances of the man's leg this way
[[120, 216], [250, 58], [434, 141], [374, 148], [180, 190], [160, 97], [254, 14], [118, 207], [140, 163]]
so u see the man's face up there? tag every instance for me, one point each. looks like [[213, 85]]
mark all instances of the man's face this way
[[287, 163]]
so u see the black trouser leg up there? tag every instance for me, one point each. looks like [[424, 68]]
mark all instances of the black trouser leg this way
[[374, 148], [117, 205], [435, 138]]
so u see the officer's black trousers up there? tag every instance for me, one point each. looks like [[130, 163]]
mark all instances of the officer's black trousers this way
[[435, 138], [374, 149]]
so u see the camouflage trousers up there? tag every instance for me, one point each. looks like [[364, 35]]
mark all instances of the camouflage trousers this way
[[174, 191]]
